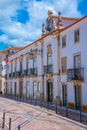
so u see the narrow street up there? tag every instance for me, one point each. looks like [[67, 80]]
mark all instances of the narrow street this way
[[31, 117]]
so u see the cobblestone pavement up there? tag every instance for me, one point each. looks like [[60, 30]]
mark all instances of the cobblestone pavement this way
[[31, 117]]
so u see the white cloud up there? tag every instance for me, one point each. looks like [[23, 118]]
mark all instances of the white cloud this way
[[4, 38], [21, 34]]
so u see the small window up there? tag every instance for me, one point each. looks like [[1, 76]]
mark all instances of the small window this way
[[76, 36], [63, 41], [64, 64]]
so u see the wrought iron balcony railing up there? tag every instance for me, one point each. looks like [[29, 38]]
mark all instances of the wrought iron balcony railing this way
[[32, 71], [48, 69], [25, 72], [9, 75], [75, 74], [5, 76], [14, 74], [19, 74]]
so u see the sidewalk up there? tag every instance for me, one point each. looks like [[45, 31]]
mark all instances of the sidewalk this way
[[75, 115], [5, 128], [32, 116]]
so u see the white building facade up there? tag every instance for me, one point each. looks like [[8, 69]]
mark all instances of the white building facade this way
[[52, 68]]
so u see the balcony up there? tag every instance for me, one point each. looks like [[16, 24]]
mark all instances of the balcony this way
[[9, 75], [48, 69], [25, 72], [75, 74], [5, 76], [32, 71], [19, 73], [14, 74]]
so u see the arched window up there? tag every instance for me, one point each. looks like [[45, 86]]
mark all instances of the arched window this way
[[49, 59]]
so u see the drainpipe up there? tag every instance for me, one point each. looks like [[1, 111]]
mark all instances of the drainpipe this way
[[60, 26], [58, 41], [42, 70], [42, 35]]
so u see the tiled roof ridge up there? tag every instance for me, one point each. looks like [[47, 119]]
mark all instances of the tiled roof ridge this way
[[69, 18]]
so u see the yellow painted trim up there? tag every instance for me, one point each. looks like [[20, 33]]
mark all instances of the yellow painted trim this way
[[84, 108], [20, 58], [49, 50], [71, 105], [35, 53], [27, 56], [63, 73], [77, 83], [20, 79]]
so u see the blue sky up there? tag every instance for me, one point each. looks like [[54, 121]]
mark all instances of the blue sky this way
[[21, 20]]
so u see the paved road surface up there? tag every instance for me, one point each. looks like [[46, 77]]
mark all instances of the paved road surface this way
[[33, 118]]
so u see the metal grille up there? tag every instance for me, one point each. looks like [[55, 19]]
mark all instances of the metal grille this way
[[75, 74], [48, 69]]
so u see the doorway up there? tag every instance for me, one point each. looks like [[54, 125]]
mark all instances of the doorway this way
[[35, 90], [15, 89], [49, 91], [64, 94], [20, 88], [77, 97], [27, 89]]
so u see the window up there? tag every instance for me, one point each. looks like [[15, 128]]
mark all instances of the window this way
[[63, 41], [15, 66], [64, 64], [26, 64], [20, 65], [77, 61], [11, 66], [38, 87], [76, 36], [34, 63], [49, 59]]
